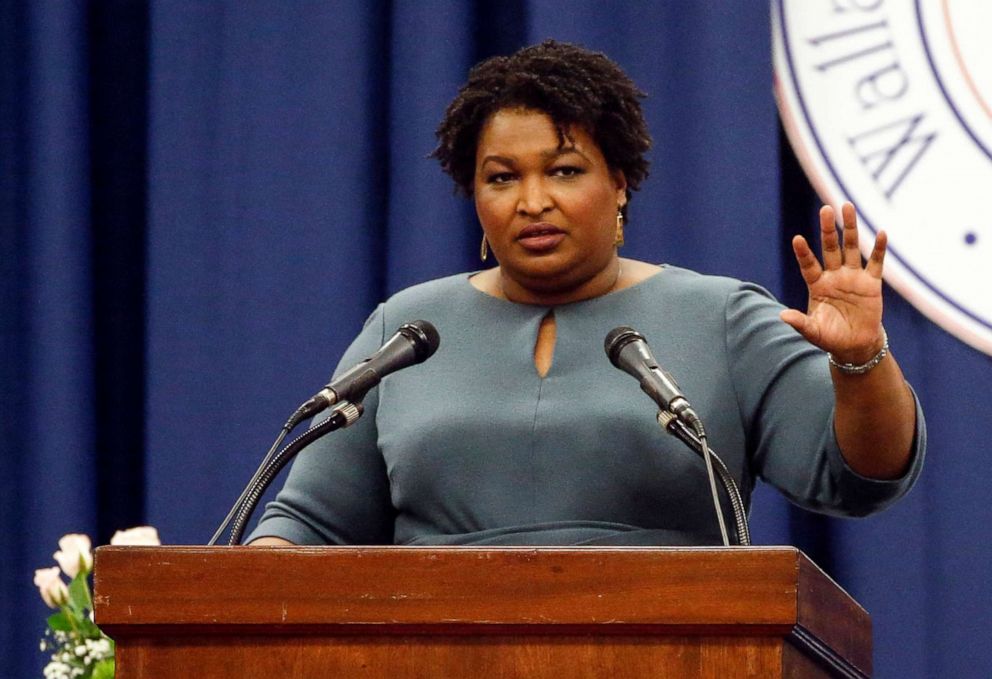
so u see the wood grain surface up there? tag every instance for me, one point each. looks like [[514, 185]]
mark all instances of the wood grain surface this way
[[459, 611]]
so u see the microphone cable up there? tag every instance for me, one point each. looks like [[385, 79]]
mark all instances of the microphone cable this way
[[344, 414], [672, 425]]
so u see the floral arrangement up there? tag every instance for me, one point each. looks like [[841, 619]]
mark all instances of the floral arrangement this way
[[79, 648]]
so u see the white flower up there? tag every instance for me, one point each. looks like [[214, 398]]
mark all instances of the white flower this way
[[141, 535], [101, 649], [56, 670], [51, 586], [74, 554]]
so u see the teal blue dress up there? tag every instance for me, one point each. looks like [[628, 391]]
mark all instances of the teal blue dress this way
[[473, 447]]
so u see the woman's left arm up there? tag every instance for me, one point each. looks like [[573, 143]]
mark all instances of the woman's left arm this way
[[875, 414]]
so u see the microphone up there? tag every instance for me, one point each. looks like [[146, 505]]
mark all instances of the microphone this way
[[629, 351], [413, 343]]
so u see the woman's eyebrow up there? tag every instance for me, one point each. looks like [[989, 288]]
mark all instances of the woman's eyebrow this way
[[564, 151], [505, 160], [549, 154]]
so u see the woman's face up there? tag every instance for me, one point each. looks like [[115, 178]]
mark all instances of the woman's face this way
[[548, 210]]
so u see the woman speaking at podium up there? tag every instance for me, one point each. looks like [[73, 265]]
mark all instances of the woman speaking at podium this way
[[519, 431]]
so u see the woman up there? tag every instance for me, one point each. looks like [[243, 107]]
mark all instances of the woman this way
[[519, 431]]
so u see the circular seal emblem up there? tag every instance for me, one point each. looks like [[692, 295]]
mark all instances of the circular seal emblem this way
[[888, 104]]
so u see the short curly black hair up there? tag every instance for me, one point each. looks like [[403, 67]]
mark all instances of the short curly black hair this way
[[573, 85]]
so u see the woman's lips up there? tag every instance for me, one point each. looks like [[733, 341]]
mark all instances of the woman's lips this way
[[540, 237]]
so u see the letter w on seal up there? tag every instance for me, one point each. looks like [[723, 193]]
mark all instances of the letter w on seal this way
[[891, 151]]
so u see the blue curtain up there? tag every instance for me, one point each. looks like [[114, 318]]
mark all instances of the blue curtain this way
[[201, 202]]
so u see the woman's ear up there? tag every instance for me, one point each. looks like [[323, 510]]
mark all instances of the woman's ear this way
[[620, 182]]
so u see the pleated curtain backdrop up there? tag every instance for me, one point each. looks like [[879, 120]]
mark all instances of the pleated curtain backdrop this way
[[200, 203]]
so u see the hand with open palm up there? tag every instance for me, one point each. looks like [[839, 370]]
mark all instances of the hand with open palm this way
[[844, 314]]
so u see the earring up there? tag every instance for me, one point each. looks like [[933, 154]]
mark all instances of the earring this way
[[484, 249], [619, 239]]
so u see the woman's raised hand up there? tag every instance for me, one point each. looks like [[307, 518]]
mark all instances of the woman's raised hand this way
[[844, 314]]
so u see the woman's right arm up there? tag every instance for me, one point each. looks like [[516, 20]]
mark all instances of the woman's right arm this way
[[270, 542]]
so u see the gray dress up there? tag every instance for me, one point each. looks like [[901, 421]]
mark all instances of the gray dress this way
[[474, 447]]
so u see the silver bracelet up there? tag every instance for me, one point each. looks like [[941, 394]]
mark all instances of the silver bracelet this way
[[852, 369]]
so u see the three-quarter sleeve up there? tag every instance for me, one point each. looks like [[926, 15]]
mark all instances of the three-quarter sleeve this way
[[337, 491], [786, 399]]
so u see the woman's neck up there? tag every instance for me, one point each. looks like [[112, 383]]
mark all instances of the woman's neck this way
[[521, 292], [625, 273]]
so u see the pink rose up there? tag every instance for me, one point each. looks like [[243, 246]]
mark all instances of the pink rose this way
[[142, 535], [74, 554], [51, 586]]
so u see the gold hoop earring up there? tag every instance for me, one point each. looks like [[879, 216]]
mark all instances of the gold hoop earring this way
[[484, 249], [619, 238]]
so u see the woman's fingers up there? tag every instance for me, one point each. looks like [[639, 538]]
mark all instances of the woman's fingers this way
[[802, 324], [809, 265], [877, 258], [841, 299], [852, 255], [829, 239], [795, 318], [842, 249]]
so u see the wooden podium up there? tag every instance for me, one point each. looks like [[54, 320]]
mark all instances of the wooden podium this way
[[550, 612]]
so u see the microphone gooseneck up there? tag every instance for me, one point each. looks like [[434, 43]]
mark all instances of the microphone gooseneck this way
[[343, 414]]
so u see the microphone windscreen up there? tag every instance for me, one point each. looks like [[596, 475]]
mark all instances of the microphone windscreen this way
[[617, 339], [424, 337]]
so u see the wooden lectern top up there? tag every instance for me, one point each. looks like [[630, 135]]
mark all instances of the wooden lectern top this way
[[144, 592]]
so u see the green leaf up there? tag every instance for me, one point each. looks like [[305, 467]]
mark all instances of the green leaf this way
[[88, 628], [104, 669], [79, 593], [59, 623]]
